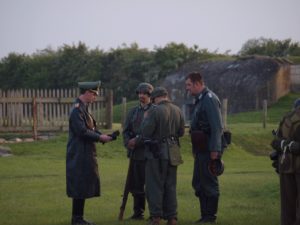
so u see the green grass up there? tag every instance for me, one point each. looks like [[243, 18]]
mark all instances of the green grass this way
[[32, 182]]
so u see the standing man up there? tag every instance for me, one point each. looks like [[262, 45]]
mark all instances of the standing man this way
[[287, 146], [81, 163], [206, 133], [136, 153], [162, 126]]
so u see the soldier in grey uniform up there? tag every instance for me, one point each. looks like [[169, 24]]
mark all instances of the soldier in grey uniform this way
[[206, 133], [162, 126], [81, 163], [287, 146], [136, 153]]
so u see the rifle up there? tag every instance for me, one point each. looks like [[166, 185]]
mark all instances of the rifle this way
[[126, 190]]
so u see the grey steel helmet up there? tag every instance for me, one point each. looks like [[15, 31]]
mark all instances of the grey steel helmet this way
[[158, 92], [145, 88], [297, 103]]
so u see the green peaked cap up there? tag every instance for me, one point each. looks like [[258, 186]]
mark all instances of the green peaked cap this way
[[92, 86]]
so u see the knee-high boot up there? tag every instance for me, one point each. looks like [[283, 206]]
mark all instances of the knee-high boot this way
[[212, 207], [138, 207]]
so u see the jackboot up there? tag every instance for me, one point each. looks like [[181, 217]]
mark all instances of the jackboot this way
[[138, 207], [154, 221], [212, 207], [172, 221], [203, 208], [78, 220]]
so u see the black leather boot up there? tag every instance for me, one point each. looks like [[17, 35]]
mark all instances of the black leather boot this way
[[209, 206], [78, 220], [138, 207]]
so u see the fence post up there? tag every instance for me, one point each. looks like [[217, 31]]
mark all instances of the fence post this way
[[224, 112], [109, 109], [124, 111], [265, 109], [34, 115]]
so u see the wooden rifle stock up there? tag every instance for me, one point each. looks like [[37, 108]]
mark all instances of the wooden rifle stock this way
[[126, 190]]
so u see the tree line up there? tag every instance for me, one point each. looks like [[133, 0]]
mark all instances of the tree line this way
[[120, 69]]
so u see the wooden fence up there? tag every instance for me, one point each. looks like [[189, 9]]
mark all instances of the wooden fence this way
[[48, 109]]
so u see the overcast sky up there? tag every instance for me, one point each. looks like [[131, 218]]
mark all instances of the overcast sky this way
[[31, 25]]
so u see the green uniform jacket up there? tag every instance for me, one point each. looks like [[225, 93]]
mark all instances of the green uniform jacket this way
[[207, 117], [291, 162], [81, 162], [132, 128], [161, 122]]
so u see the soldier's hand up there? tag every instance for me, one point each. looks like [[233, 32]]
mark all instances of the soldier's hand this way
[[131, 143], [276, 144], [105, 138], [215, 155]]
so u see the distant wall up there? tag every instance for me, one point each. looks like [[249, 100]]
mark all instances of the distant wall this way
[[244, 82], [295, 78]]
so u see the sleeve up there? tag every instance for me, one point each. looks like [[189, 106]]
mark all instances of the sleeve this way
[[78, 126], [182, 125], [149, 124], [127, 131], [213, 113]]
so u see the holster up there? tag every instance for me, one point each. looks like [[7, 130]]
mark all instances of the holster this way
[[199, 141], [154, 147]]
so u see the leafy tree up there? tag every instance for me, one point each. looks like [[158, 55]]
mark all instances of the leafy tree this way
[[270, 47]]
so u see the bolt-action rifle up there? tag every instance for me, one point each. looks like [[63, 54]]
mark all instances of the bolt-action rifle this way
[[126, 190]]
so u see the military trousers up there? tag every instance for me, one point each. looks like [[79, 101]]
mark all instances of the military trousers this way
[[203, 182], [138, 178], [290, 198], [138, 186], [161, 181]]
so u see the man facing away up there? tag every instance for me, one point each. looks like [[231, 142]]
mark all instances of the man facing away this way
[[206, 133], [81, 163], [162, 126], [136, 152]]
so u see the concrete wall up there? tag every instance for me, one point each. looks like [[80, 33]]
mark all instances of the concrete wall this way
[[244, 82], [295, 78]]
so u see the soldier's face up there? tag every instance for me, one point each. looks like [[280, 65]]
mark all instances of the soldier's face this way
[[91, 96], [144, 98], [193, 88]]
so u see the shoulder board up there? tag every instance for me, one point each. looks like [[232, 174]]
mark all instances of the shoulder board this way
[[76, 105]]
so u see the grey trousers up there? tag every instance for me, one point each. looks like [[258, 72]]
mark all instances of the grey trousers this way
[[161, 179], [290, 198]]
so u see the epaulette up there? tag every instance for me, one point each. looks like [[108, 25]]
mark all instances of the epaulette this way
[[76, 105]]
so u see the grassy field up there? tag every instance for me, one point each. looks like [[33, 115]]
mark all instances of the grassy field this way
[[32, 182]]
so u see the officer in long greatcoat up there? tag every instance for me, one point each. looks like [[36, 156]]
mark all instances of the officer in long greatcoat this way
[[81, 163]]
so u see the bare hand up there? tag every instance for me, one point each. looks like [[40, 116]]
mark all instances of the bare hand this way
[[105, 138], [131, 143], [214, 155]]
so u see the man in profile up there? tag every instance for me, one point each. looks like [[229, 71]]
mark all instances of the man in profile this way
[[206, 135], [81, 162]]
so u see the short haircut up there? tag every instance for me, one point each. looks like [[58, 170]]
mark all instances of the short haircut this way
[[195, 77]]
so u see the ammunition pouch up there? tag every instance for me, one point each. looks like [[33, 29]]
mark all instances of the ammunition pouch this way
[[154, 147], [199, 141], [226, 138], [291, 146]]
